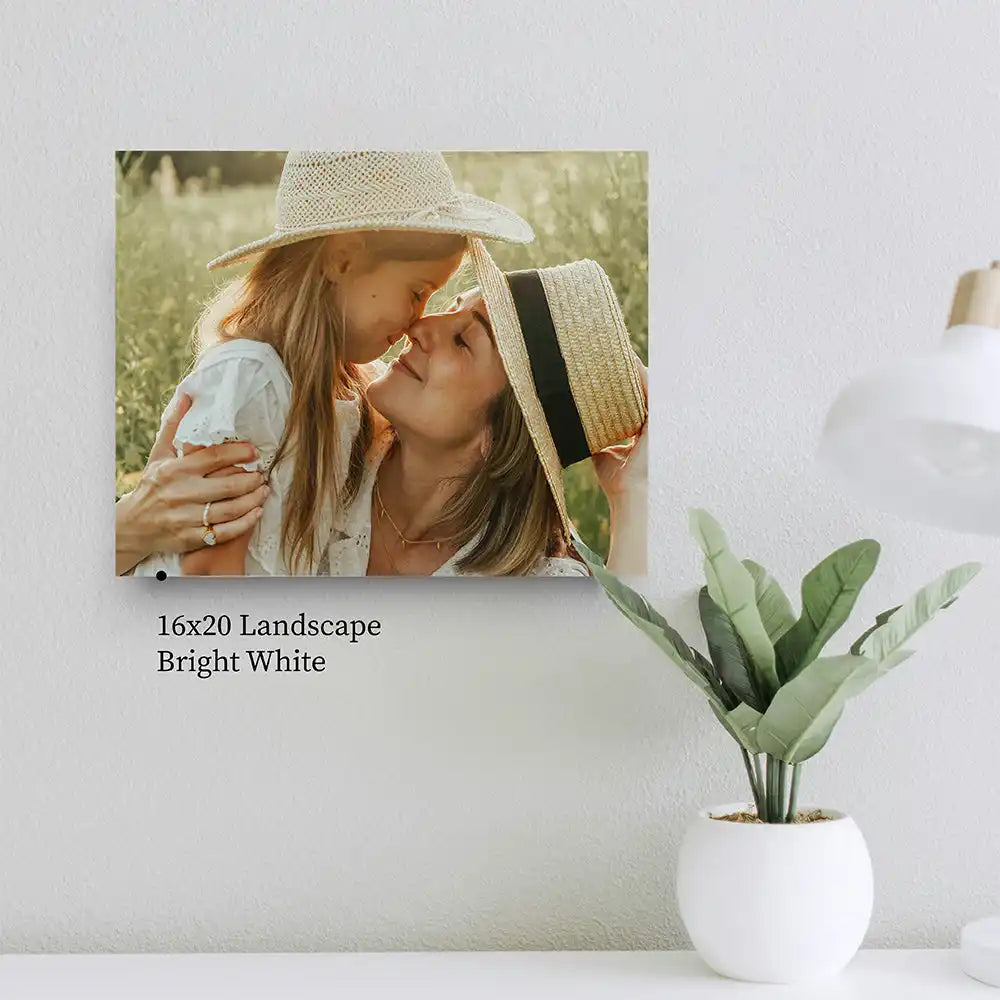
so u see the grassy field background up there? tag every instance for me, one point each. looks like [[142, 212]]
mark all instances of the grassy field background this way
[[580, 204]]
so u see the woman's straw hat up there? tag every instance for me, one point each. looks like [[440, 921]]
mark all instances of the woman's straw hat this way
[[323, 192], [562, 338]]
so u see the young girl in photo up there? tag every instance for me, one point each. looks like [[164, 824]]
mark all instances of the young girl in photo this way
[[285, 354]]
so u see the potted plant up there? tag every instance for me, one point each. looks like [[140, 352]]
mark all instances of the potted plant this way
[[770, 890]]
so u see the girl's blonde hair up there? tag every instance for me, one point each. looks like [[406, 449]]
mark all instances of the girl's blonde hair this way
[[286, 301]]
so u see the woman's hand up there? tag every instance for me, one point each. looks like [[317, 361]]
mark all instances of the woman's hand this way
[[622, 472], [623, 468], [164, 512]]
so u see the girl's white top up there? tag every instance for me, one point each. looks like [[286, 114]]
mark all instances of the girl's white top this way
[[241, 391]]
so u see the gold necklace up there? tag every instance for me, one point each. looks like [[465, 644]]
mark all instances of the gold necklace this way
[[407, 541]]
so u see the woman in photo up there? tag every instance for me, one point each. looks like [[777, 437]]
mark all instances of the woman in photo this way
[[529, 373]]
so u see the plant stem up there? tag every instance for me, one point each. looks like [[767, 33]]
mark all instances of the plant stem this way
[[767, 789], [782, 790], [753, 783], [793, 799], [769, 793], [774, 809], [761, 808]]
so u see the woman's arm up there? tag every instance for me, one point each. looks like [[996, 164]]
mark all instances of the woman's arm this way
[[164, 512]]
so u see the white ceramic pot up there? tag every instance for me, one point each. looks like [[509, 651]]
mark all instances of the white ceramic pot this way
[[774, 902]]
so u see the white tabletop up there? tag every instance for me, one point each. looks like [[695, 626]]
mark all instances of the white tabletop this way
[[525, 975]]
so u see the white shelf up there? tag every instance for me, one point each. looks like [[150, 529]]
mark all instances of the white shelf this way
[[608, 975]]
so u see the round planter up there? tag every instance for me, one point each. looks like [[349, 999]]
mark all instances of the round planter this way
[[774, 902]]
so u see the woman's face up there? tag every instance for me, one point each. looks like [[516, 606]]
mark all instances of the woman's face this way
[[441, 386], [381, 299]]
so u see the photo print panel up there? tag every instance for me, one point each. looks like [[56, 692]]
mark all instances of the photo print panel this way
[[375, 363]]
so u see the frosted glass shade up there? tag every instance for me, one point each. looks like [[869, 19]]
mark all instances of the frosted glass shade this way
[[922, 436]]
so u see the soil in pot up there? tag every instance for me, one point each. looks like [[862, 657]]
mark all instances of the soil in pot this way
[[745, 816]]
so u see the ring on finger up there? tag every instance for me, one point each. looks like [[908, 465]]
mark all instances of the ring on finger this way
[[204, 515]]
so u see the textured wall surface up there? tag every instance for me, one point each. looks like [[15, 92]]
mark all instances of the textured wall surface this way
[[507, 766]]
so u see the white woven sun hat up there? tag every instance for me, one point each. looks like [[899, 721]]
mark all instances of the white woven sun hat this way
[[328, 192], [563, 342]]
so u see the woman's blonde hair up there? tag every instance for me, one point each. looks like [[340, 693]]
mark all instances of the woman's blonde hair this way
[[285, 300], [506, 500]]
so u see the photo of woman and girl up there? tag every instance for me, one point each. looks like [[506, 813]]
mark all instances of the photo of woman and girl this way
[[292, 449]]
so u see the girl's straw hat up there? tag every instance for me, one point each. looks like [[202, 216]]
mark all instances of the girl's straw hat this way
[[323, 192], [564, 345]]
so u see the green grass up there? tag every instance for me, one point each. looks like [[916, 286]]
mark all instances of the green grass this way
[[580, 204]]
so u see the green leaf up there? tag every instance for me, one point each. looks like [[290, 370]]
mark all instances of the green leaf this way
[[647, 619], [707, 667], [799, 720], [728, 652], [776, 612], [880, 619], [732, 587], [741, 723], [883, 641], [829, 591]]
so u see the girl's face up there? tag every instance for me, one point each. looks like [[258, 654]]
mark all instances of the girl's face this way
[[441, 386], [381, 299]]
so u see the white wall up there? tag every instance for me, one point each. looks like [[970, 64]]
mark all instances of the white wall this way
[[508, 766]]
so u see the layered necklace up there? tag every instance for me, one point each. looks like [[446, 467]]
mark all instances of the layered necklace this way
[[384, 514]]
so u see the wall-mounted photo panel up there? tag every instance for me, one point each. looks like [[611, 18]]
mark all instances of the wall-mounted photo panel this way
[[380, 363]]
